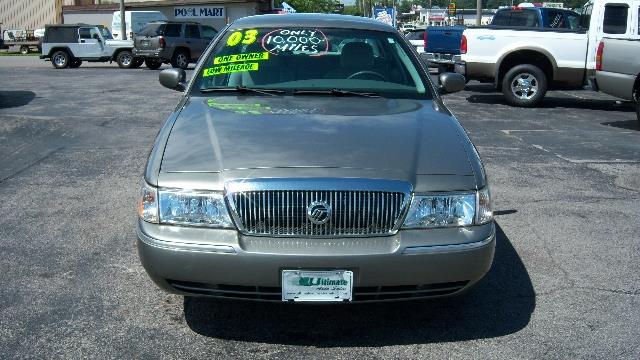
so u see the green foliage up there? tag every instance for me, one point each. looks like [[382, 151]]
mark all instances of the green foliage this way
[[312, 6], [352, 10]]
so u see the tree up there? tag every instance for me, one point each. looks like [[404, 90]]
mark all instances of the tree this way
[[313, 6], [352, 10]]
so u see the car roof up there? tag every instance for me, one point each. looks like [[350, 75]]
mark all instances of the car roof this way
[[173, 22], [311, 20], [70, 25]]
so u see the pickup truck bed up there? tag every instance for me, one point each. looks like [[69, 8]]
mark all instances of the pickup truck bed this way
[[618, 68]]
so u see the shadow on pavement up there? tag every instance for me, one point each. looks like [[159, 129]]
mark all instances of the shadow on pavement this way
[[12, 99], [501, 304], [558, 102], [627, 124]]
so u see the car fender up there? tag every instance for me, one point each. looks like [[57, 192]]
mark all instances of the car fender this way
[[518, 47]]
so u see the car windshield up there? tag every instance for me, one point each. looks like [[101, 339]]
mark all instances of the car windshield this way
[[106, 34], [316, 59]]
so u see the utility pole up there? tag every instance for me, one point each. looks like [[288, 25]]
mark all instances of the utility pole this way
[[478, 12], [123, 26]]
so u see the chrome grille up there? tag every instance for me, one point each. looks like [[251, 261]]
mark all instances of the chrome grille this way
[[284, 212]]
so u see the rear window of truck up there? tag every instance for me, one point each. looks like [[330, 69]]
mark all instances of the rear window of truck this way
[[615, 19], [516, 17]]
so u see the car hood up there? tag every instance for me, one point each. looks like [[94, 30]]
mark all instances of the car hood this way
[[224, 134]]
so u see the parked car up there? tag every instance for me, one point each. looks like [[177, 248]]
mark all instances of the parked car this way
[[416, 38], [524, 62], [134, 22], [24, 41], [538, 17], [299, 170], [69, 45], [407, 27], [618, 67], [174, 42], [442, 45]]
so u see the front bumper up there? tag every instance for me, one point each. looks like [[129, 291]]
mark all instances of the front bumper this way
[[224, 263]]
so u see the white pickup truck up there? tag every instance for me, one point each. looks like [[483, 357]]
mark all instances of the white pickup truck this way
[[524, 62]]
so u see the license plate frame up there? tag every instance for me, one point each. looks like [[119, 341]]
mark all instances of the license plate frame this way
[[317, 285]]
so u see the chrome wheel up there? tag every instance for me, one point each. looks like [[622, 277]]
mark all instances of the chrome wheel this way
[[182, 61], [59, 60], [126, 59], [524, 86]]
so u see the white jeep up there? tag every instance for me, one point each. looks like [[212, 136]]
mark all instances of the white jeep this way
[[70, 44]]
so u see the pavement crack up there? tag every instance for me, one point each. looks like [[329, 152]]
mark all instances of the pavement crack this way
[[34, 163]]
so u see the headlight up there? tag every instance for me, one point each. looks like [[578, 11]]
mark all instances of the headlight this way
[[183, 207], [196, 208], [449, 210]]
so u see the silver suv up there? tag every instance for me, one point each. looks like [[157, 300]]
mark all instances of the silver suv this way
[[178, 43]]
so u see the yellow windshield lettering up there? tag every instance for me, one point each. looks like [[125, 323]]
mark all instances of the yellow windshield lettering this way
[[241, 57], [231, 68]]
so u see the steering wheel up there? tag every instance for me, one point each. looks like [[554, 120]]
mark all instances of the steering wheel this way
[[367, 72]]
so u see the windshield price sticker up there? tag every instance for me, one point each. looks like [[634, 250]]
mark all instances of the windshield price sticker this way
[[241, 57], [299, 41], [246, 38], [227, 69]]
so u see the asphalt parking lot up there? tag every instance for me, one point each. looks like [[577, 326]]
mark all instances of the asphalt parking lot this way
[[565, 282]]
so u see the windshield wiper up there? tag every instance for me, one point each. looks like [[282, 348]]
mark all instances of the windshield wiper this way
[[244, 89], [335, 92]]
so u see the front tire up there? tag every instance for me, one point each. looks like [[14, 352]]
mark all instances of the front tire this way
[[125, 59], [180, 60], [60, 59], [24, 50], [524, 85], [152, 64]]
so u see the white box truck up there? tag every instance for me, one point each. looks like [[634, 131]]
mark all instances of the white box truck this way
[[134, 21]]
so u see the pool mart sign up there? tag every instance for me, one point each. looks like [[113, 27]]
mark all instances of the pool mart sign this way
[[192, 12]]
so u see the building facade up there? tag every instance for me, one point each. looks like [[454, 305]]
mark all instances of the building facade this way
[[35, 14], [31, 14], [100, 12]]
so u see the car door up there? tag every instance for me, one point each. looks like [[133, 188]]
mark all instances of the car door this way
[[194, 41], [90, 44]]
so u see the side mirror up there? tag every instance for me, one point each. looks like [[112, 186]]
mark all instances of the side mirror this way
[[174, 79], [451, 82]]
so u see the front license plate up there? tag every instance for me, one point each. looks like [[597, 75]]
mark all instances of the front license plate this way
[[303, 285]]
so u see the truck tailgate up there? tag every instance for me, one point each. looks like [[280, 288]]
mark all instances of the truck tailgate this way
[[444, 39]]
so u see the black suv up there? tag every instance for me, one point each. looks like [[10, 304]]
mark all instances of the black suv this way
[[175, 42]]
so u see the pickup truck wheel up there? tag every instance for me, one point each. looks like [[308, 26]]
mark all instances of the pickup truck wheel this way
[[524, 85], [75, 63], [60, 59], [125, 59], [24, 50], [152, 64], [180, 60]]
